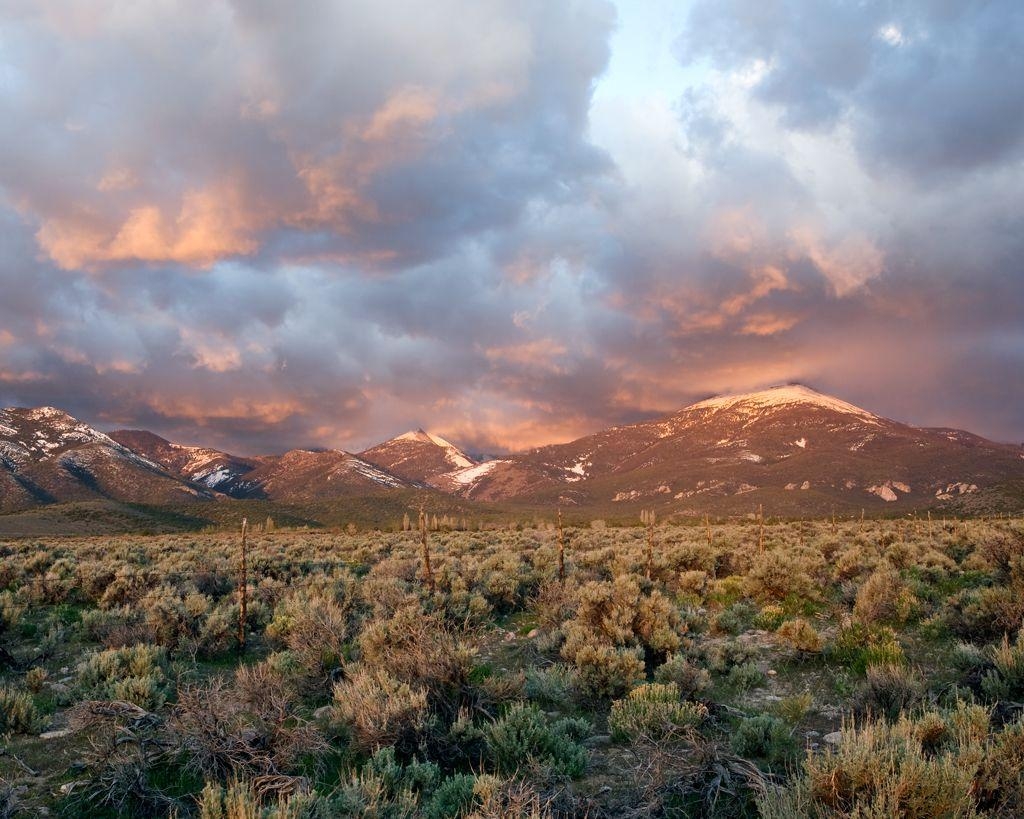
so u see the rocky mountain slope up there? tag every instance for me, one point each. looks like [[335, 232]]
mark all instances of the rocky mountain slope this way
[[296, 476], [791, 446], [418, 456], [47, 456]]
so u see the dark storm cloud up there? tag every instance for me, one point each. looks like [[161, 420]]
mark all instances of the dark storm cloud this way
[[928, 89], [260, 226]]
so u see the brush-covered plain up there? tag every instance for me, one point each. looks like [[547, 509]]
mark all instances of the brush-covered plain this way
[[806, 669]]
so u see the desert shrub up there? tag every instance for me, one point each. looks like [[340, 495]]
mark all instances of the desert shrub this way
[[794, 708], [801, 635], [936, 764], [386, 788], [419, 649], [135, 674], [244, 729], [523, 737], [1005, 681], [967, 657], [763, 737], [693, 584], [654, 711], [884, 598], [379, 710], [18, 713], [745, 677], [736, 618], [612, 628], [603, 670], [551, 686], [553, 604], [691, 680], [723, 656], [35, 679], [786, 576], [129, 585], [888, 690], [453, 798], [770, 617], [985, 614], [314, 625], [241, 800], [859, 646]]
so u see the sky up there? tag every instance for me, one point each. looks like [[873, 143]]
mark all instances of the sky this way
[[260, 226]]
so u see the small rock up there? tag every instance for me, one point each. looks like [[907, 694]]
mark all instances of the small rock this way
[[60, 734], [534, 632], [834, 738], [771, 672], [59, 688], [814, 746], [510, 636], [813, 734], [67, 787], [323, 712], [597, 741]]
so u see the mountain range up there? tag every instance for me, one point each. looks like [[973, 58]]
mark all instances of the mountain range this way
[[790, 448]]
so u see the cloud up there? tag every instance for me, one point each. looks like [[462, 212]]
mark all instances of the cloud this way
[[259, 227]]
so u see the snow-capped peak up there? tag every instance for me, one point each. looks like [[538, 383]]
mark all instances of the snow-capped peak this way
[[783, 396], [455, 456]]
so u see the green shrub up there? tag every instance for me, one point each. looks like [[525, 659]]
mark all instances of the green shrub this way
[[763, 737], [937, 764], [888, 690], [18, 713], [136, 674], [654, 711], [691, 680], [522, 737], [736, 618], [551, 686], [453, 798], [1006, 679], [745, 677]]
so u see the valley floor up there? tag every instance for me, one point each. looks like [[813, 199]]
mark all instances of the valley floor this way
[[796, 669]]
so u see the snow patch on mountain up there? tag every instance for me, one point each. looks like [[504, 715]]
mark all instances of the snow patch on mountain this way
[[755, 403], [455, 456], [470, 475]]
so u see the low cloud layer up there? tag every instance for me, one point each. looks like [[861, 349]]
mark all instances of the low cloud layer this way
[[261, 227]]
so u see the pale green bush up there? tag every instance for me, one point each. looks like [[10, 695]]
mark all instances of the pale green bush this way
[[379, 710], [136, 674], [18, 713], [523, 737], [654, 711]]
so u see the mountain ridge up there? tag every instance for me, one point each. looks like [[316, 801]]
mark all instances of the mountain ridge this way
[[791, 445]]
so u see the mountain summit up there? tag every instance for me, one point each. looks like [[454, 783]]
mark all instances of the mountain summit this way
[[791, 447], [418, 456]]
